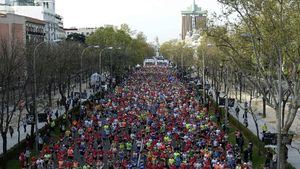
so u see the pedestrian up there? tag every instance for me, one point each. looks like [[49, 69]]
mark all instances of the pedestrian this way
[[58, 103], [62, 128], [41, 142], [245, 115], [56, 113], [237, 111], [24, 124], [52, 125], [245, 122], [22, 160], [11, 131], [27, 156], [250, 150], [264, 128]]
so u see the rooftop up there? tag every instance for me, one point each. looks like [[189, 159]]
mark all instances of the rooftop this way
[[194, 9]]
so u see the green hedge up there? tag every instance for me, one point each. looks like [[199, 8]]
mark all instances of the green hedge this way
[[246, 132]]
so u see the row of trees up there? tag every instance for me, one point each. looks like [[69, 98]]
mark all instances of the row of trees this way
[[178, 52], [263, 42], [257, 47], [58, 68]]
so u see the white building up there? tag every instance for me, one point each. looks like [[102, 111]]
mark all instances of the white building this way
[[87, 31], [39, 9], [60, 33], [83, 31]]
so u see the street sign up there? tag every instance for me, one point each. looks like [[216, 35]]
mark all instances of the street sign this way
[[287, 138], [221, 101], [271, 138], [207, 86], [42, 117], [30, 119], [231, 102]]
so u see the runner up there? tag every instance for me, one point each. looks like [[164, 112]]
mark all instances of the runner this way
[[150, 120]]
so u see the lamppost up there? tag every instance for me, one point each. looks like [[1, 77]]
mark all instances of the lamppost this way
[[110, 59], [82, 53], [100, 58], [224, 64], [203, 71], [35, 91]]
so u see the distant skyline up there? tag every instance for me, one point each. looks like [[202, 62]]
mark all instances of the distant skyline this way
[[156, 18]]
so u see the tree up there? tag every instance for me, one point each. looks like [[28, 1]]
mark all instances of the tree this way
[[127, 51], [76, 37], [178, 52], [11, 64]]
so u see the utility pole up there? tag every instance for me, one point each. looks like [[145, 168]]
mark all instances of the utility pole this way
[[279, 155], [226, 100], [203, 78]]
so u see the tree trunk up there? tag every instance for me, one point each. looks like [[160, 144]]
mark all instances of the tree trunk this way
[[4, 143], [279, 152], [63, 97], [283, 112], [32, 139], [49, 95], [264, 106], [18, 128], [4, 138], [240, 91], [69, 85]]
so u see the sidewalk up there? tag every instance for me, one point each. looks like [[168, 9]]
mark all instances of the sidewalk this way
[[293, 155], [12, 141]]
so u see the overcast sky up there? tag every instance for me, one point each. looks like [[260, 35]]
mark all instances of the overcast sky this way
[[159, 18]]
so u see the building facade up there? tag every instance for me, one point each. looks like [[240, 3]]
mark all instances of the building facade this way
[[83, 31], [21, 29], [193, 20], [41, 10]]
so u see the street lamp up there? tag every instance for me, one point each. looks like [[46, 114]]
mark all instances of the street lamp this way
[[203, 70], [35, 91], [82, 53], [100, 57], [226, 92], [110, 59]]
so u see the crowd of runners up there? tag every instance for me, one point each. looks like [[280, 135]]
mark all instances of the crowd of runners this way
[[151, 120]]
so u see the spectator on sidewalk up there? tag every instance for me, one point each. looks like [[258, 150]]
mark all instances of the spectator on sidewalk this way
[[22, 160], [246, 155], [27, 156], [264, 128], [237, 111], [56, 114], [245, 115], [246, 122], [24, 124], [52, 125], [41, 142], [250, 150]]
